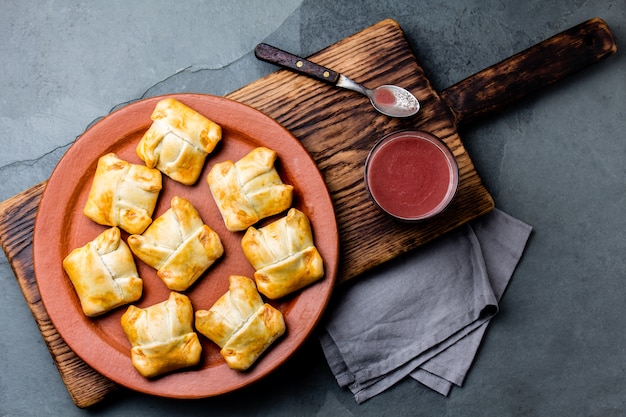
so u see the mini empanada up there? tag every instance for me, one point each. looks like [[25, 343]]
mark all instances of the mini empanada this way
[[241, 324], [123, 194], [249, 190], [283, 255], [103, 273], [162, 336], [178, 141], [178, 245]]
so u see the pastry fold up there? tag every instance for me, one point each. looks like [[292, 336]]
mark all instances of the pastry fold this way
[[123, 194], [241, 324], [162, 336], [249, 190], [178, 141], [178, 245], [103, 273], [283, 254]]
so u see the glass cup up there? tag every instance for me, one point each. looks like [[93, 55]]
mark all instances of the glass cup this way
[[411, 175]]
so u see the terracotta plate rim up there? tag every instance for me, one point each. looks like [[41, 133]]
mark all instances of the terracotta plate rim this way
[[60, 201]]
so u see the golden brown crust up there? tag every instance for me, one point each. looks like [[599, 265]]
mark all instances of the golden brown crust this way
[[241, 324], [178, 141], [123, 194], [103, 273], [249, 190], [283, 254], [162, 336], [178, 245]]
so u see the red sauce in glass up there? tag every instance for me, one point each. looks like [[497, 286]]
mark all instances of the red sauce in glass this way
[[411, 177]]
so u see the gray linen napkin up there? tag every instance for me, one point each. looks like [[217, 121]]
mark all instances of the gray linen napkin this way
[[424, 315]]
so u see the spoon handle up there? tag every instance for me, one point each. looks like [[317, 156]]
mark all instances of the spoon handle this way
[[276, 56]]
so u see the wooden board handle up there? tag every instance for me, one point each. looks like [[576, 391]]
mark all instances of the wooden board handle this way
[[529, 70], [276, 56]]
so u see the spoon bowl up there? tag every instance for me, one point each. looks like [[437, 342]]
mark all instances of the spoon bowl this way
[[389, 100]]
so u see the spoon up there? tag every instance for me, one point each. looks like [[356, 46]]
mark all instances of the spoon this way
[[390, 100]]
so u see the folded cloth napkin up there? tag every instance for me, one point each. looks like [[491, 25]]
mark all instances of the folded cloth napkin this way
[[425, 314]]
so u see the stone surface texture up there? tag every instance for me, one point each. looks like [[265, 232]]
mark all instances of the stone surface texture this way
[[555, 160]]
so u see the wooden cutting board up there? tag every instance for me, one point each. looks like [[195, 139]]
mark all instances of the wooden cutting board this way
[[338, 128]]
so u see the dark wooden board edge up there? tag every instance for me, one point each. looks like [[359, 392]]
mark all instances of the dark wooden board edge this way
[[368, 237], [17, 220]]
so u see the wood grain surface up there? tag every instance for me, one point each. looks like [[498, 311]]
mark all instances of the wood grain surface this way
[[532, 69], [339, 128], [17, 220]]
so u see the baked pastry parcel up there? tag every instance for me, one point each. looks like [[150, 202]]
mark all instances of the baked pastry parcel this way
[[249, 190], [123, 194], [103, 273], [283, 254], [162, 336], [178, 141], [178, 245], [241, 324]]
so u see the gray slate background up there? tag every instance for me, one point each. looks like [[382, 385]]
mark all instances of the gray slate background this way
[[554, 160]]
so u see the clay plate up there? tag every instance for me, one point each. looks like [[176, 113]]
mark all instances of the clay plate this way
[[61, 226]]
